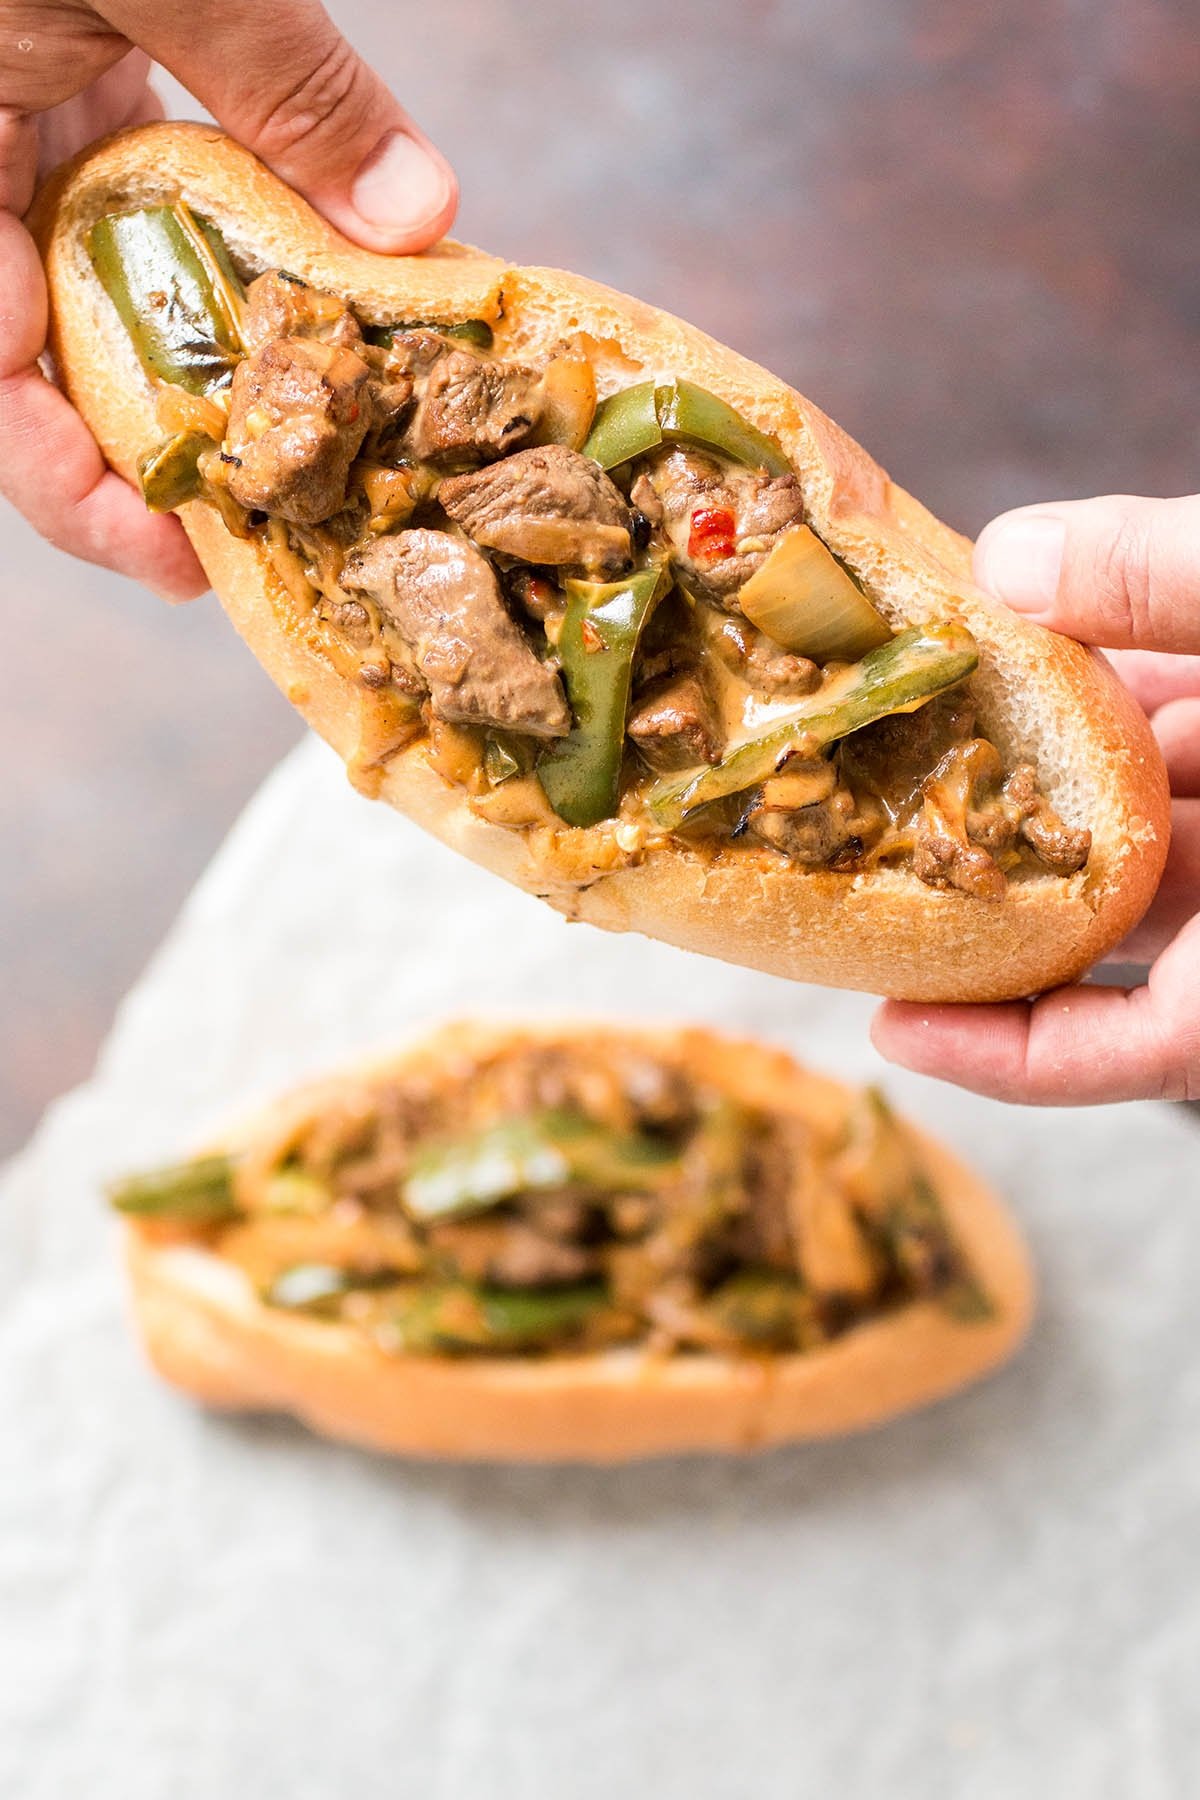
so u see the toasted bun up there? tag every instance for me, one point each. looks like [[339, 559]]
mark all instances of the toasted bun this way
[[1042, 698], [206, 1331]]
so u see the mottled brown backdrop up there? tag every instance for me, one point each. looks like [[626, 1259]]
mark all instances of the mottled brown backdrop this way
[[971, 233]]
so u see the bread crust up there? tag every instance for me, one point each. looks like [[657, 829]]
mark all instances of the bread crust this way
[[206, 1332], [1043, 698]]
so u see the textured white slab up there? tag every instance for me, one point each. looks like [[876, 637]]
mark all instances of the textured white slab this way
[[998, 1597]]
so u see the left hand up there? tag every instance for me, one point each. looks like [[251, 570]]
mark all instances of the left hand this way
[[1123, 573]]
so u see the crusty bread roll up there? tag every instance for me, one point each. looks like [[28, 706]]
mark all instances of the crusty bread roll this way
[[206, 1331], [1041, 698]]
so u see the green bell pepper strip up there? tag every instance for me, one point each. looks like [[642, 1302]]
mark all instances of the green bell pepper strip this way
[[458, 1317], [580, 775], [199, 1192], [898, 677], [640, 418], [176, 293], [170, 474], [472, 1173], [765, 1309], [476, 332]]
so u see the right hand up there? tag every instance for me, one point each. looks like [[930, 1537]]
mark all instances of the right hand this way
[[1123, 573], [278, 76]]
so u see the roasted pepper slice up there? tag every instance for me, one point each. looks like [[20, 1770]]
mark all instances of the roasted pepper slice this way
[[476, 332], [458, 1317], [898, 677], [169, 474], [199, 1192], [639, 418], [764, 1310], [581, 774], [175, 290], [471, 1173]]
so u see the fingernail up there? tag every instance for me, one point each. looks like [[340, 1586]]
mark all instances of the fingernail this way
[[1018, 558], [401, 186]]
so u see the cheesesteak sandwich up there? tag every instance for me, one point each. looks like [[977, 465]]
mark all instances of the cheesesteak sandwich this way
[[591, 1242], [598, 602]]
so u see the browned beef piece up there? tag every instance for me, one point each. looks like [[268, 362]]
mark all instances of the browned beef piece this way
[[468, 408], [763, 663], [831, 832], [951, 862], [680, 482], [279, 305], [297, 416], [896, 756], [675, 725], [546, 505], [441, 597], [1063, 848]]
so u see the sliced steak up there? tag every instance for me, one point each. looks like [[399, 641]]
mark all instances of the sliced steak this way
[[765, 665], [469, 408], [831, 833], [674, 724], [1063, 848], [547, 505], [944, 861], [722, 521], [441, 597], [297, 417], [279, 305]]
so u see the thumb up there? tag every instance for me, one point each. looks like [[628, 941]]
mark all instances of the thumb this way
[[1119, 571], [279, 76]]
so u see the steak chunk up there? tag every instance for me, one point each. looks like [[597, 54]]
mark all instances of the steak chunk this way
[[674, 724], [465, 408], [1062, 848], [763, 663], [741, 513], [546, 505], [441, 598], [279, 305], [297, 417], [829, 833]]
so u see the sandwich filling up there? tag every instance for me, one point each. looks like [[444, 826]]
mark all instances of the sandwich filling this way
[[567, 1197], [614, 617]]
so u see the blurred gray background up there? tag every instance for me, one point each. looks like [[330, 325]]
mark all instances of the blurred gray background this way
[[975, 240]]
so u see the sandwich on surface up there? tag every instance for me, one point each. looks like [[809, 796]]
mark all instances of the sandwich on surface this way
[[588, 1242]]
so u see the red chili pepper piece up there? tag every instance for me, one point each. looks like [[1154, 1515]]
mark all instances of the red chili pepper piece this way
[[712, 534]]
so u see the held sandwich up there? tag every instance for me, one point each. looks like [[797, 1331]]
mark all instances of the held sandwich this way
[[585, 1242], [604, 606]]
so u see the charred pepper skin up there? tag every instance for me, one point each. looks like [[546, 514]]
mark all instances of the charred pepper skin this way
[[601, 629], [898, 677], [170, 279]]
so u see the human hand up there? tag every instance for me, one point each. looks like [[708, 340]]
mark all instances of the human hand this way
[[1123, 573], [278, 76]]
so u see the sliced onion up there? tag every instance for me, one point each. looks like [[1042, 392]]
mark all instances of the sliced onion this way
[[176, 410], [568, 401], [804, 599]]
